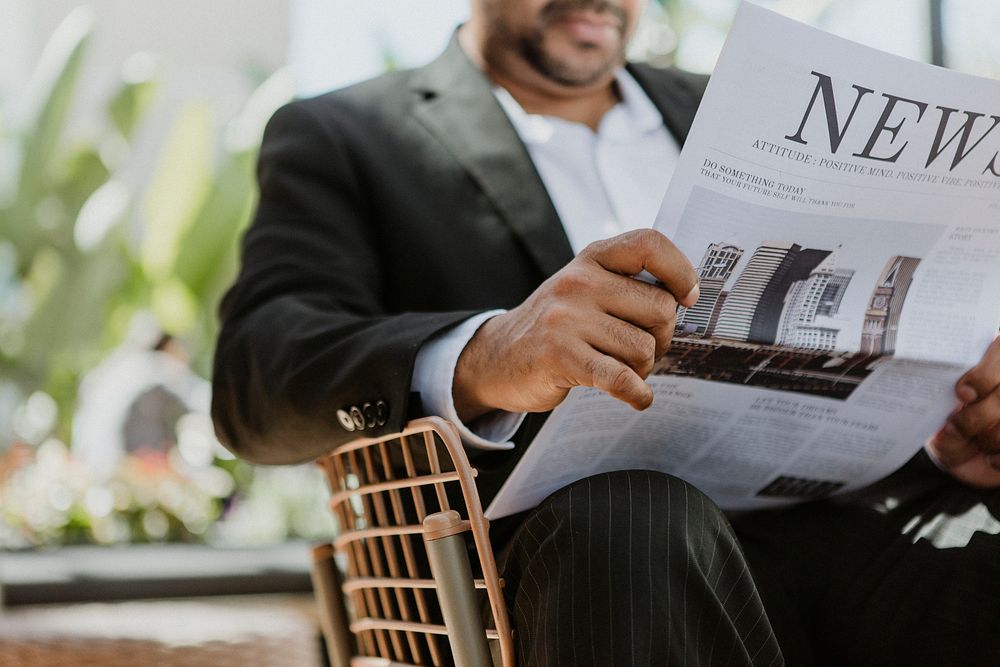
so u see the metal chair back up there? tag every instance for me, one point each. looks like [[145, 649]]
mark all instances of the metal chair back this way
[[397, 612]]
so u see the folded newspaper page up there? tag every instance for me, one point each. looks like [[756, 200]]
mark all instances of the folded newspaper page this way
[[842, 207]]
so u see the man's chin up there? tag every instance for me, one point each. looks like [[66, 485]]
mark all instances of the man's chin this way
[[577, 66], [579, 76]]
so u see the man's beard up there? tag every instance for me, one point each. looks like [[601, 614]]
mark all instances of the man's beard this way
[[531, 45]]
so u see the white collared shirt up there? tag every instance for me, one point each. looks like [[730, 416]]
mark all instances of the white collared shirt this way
[[601, 183]]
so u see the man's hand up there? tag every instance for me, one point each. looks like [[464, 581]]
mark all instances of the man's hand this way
[[968, 446], [591, 324]]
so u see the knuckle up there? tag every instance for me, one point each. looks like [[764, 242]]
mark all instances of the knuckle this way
[[977, 378], [637, 346], [645, 237], [663, 338], [621, 380], [592, 367], [572, 281], [943, 451], [963, 422], [671, 319], [950, 457], [637, 241], [619, 334], [664, 302], [646, 346], [668, 339], [650, 241], [593, 248], [555, 316]]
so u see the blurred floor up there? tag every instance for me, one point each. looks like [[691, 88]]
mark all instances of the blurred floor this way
[[247, 630]]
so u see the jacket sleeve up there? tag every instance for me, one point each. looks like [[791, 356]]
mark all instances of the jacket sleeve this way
[[306, 342]]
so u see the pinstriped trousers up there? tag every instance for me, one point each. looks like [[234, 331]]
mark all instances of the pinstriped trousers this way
[[633, 568]]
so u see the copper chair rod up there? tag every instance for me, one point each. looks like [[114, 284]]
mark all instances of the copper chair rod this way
[[359, 583], [367, 624], [344, 539], [424, 425], [368, 489], [382, 531]]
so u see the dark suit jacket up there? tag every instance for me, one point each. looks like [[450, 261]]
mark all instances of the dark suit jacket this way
[[389, 211]]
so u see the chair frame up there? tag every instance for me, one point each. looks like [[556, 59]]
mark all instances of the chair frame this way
[[368, 528]]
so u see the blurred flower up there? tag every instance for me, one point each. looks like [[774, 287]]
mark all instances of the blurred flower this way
[[48, 498], [34, 419]]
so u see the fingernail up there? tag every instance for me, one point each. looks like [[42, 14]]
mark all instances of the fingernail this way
[[692, 296], [966, 394]]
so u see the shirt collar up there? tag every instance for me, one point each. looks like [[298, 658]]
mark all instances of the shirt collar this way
[[643, 114], [633, 117]]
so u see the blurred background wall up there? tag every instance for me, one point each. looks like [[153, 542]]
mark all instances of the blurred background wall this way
[[128, 135], [201, 48]]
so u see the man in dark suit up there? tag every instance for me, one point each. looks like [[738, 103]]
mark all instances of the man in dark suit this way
[[412, 228]]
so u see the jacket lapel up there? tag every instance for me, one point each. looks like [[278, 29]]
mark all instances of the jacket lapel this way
[[455, 102]]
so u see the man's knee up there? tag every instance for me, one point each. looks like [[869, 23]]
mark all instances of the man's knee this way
[[625, 509], [645, 552]]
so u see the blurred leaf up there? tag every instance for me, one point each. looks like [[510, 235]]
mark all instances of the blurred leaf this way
[[73, 312], [137, 91], [44, 274], [84, 173], [208, 260], [244, 133], [178, 189], [51, 92], [215, 231], [104, 209], [175, 306]]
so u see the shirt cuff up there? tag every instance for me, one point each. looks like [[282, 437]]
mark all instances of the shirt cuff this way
[[434, 376]]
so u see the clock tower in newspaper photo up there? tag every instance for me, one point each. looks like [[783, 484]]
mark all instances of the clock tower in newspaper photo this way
[[886, 305]]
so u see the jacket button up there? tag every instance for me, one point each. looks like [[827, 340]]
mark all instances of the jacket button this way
[[345, 420], [381, 413], [368, 410], [358, 418]]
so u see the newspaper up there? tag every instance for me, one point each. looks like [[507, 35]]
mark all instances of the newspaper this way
[[842, 207]]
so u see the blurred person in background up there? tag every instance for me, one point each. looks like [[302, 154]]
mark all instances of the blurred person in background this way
[[133, 399], [457, 240]]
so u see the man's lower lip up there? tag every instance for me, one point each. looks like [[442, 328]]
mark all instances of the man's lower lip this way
[[589, 31]]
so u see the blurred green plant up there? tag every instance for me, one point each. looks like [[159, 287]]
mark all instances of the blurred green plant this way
[[81, 251], [84, 249]]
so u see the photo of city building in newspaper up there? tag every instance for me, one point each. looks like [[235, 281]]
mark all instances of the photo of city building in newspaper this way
[[794, 301], [830, 374], [778, 324]]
